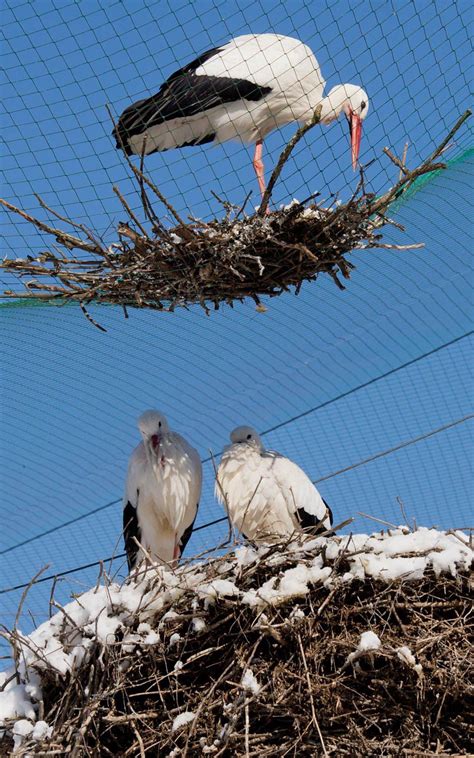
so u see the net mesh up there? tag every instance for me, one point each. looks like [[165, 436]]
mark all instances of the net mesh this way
[[369, 390]]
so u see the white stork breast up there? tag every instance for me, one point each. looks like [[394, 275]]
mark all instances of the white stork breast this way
[[256, 502], [171, 487]]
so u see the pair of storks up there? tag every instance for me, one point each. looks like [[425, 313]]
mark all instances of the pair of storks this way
[[242, 90], [267, 497]]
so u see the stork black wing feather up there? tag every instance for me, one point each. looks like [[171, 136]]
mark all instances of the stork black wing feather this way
[[184, 94], [131, 529], [311, 523], [187, 533]]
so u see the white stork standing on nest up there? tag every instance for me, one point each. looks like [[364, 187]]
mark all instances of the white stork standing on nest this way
[[242, 90], [266, 495], [162, 492]]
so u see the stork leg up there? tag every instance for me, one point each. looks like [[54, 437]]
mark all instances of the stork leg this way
[[258, 166], [177, 551]]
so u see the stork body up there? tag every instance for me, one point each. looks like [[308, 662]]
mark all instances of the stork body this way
[[242, 90], [162, 492], [267, 496]]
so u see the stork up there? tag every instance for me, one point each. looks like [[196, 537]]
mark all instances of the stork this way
[[162, 492], [266, 495], [242, 90]]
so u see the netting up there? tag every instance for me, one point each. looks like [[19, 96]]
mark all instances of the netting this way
[[369, 390]]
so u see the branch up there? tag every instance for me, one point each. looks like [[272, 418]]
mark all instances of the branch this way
[[67, 239], [315, 119], [409, 176]]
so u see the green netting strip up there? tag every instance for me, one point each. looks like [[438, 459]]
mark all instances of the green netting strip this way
[[423, 180]]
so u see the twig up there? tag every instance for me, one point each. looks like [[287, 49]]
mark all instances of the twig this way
[[18, 615], [404, 160], [139, 740], [66, 239], [378, 520], [311, 699], [315, 119], [451, 134], [129, 211]]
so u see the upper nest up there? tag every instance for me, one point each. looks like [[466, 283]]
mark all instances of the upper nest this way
[[153, 266], [340, 646]]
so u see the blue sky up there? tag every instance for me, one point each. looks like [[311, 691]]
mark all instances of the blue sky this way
[[72, 394]]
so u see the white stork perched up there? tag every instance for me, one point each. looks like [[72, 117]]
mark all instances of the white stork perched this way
[[267, 495], [161, 493], [242, 90]]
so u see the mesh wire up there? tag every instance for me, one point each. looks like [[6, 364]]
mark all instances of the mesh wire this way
[[333, 378]]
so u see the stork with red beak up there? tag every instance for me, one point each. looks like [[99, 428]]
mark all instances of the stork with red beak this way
[[241, 90], [162, 493]]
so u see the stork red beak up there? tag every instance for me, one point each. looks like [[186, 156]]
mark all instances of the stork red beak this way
[[355, 126]]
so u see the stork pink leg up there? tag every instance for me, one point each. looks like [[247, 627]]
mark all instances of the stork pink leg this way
[[258, 166], [177, 551]]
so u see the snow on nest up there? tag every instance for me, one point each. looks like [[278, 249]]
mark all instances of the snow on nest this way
[[138, 610]]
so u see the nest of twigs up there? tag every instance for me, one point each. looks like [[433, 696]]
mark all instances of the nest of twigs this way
[[313, 689], [159, 267]]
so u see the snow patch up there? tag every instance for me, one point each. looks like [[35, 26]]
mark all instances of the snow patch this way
[[15, 702], [368, 641], [250, 683], [405, 655], [199, 625], [182, 719]]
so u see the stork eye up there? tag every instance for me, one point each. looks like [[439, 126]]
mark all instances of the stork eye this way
[[249, 436], [363, 105], [159, 424]]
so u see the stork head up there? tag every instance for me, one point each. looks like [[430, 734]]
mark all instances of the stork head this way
[[152, 425], [351, 100], [246, 435]]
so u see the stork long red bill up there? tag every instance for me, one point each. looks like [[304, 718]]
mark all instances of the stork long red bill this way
[[355, 126]]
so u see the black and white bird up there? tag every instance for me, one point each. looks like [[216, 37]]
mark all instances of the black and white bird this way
[[266, 495], [242, 90], [162, 492]]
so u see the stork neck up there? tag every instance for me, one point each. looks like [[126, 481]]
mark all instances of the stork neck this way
[[331, 109], [333, 105]]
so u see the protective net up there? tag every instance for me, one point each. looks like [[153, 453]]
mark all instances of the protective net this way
[[369, 390]]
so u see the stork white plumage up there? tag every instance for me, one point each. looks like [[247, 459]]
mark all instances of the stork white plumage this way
[[267, 496], [242, 90], [162, 492]]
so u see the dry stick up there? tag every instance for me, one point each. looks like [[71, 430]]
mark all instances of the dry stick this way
[[383, 246], [89, 317], [16, 653], [247, 726], [400, 163], [139, 740], [230, 534], [451, 134], [75, 224], [403, 168], [68, 239], [129, 211], [315, 119], [140, 175], [310, 693], [218, 681], [426, 167], [378, 520], [146, 204], [142, 178], [402, 508]]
